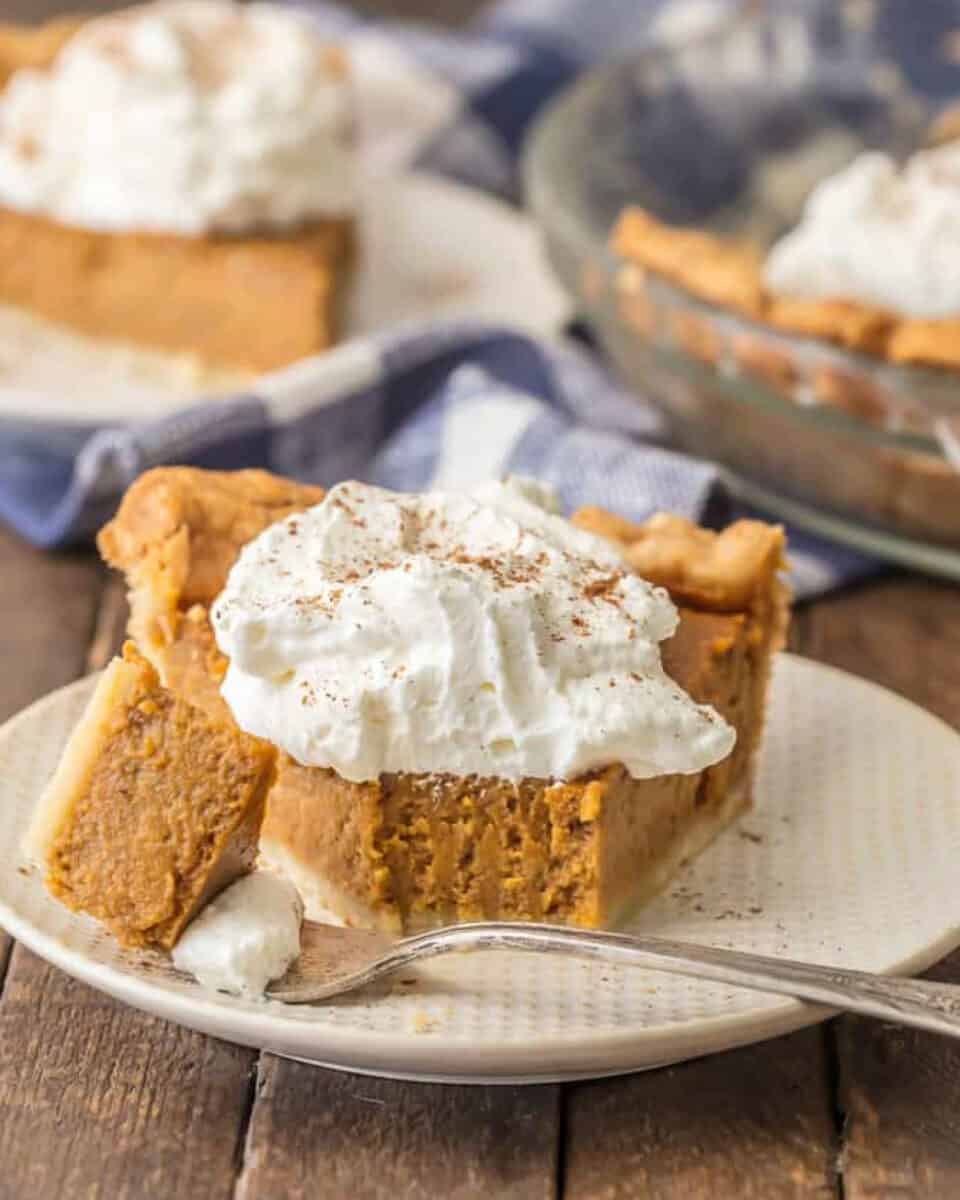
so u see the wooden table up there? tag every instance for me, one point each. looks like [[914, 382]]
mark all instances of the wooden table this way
[[99, 1101]]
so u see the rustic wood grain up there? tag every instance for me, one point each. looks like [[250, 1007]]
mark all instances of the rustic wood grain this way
[[101, 1102], [753, 1123], [317, 1134], [47, 610], [898, 1090], [903, 632]]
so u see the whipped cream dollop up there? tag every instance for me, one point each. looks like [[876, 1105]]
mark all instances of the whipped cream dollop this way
[[879, 234], [183, 116], [245, 938], [454, 633]]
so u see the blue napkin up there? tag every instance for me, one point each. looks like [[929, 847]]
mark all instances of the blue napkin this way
[[446, 406], [451, 403]]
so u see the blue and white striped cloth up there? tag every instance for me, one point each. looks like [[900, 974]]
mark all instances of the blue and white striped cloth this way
[[446, 406], [450, 403]]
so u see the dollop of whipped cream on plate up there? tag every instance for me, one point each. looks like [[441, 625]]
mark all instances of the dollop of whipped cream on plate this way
[[182, 116], [879, 234], [454, 633], [246, 937]]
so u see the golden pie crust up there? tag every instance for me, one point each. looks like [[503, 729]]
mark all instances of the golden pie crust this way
[[729, 272], [237, 303], [408, 851]]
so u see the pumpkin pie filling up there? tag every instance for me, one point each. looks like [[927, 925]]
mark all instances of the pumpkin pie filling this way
[[408, 849], [155, 807]]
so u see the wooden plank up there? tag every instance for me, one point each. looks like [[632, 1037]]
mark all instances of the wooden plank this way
[[47, 610], [316, 1133], [899, 1093], [898, 1090], [100, 1101], [902, 632], [753, 1123]]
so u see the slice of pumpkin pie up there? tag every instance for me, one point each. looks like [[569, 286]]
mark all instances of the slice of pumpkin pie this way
[[154, 807], [178, 178], [481, 711]]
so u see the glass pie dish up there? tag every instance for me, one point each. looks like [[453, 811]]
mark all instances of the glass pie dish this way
[[728, 133]]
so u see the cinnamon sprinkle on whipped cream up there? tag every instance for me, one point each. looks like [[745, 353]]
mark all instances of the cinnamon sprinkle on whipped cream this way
[[454, 633]]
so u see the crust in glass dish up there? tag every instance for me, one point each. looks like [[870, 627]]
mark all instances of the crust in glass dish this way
[[729, 273]]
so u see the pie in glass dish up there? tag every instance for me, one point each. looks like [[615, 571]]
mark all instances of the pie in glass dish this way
[[730, 272], [822, 367]]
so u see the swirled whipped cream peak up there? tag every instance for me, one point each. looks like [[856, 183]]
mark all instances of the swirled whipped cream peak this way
[[879, 234], [182, 116], [454, 633]]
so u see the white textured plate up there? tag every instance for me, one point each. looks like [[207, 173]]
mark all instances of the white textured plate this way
[[429, 248], [849, 858]]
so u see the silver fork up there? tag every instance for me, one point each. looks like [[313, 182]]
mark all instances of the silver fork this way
[[334, 961]]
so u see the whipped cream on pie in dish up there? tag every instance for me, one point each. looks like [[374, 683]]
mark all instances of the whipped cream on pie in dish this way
[[879, 234], [185, 117], [478, 634]]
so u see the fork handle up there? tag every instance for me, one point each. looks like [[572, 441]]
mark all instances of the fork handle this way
[[914, 1002]]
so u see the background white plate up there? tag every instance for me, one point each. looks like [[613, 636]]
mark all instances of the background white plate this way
[[429, 248], [849, 858]]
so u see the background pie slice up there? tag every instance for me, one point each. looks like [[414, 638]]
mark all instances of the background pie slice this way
[[238, 304]]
